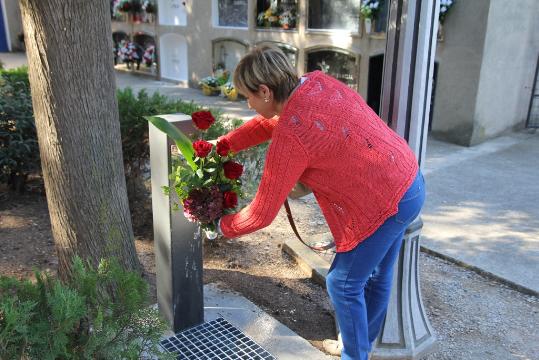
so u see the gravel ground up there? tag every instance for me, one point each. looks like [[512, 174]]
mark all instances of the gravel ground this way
[[477, 318]]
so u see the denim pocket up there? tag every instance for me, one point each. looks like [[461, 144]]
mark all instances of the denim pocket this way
[[412, 201], [408, 210]]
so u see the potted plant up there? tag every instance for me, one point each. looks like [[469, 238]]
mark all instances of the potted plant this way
[[369, 12], [211, 85], [229, 91]]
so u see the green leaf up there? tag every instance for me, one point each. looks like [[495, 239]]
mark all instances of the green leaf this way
[[200, 173], [182, 141]]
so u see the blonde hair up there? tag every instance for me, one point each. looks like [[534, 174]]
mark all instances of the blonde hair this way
[[266, 66]]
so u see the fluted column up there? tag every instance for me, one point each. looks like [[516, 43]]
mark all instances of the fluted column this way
[[406, 332], [406, 94]]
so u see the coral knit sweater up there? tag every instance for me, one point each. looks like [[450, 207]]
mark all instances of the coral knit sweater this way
[[329, 139]]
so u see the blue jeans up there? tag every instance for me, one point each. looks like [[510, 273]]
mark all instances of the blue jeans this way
[[359, 281]]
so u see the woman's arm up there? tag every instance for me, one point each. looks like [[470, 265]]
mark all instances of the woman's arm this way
[[253, 132], [285, 162]]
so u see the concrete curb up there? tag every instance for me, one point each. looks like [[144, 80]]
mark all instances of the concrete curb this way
[[312, 264], [484, 273], [317, 268]]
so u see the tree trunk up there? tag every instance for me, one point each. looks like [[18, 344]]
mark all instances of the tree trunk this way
[[68, 45]]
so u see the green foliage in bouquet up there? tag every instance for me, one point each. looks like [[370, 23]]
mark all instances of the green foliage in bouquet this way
[[206, 179], [100, 313]]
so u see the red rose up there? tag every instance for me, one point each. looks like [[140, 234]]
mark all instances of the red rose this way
[[202, 148], [203, 119], [230, 199], [223, 147], [232, 169]]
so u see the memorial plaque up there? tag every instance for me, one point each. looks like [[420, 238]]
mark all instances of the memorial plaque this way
[[232, 13]]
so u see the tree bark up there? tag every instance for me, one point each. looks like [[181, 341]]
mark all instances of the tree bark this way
[[69, 49]]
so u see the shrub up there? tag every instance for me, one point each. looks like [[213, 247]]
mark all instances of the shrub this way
[[134, 127], [83, 319], [19, 150]]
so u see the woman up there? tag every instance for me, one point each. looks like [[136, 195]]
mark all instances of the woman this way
[[363, 175]]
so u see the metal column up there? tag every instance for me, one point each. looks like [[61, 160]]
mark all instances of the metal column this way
[[406, 93], [178, 247]]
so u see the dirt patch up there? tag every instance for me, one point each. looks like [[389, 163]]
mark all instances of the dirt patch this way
[[25, 235], [474, 318]]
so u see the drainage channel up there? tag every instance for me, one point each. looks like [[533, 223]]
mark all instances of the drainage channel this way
[[214, 340]]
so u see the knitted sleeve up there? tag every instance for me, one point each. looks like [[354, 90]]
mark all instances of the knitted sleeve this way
[[253, 132], [285, 162]]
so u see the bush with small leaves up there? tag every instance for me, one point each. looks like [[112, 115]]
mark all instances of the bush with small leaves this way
[[101, 313]]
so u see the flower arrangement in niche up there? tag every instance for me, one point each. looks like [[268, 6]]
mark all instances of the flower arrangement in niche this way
[[133, 6], [124, 6], [370, 8], [149, 6], [130, 53], [445, 6], [149, 55], [283, 16], [207, 179]]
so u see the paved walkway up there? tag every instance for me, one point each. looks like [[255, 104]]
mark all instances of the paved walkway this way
[[482, 206], [482, 202]]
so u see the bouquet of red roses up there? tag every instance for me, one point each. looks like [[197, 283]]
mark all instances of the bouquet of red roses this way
[[206, 180]]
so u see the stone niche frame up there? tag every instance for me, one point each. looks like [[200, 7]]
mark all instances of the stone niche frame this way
[[215, 17], [178, 43], [330, 30], [314, 49], [170, 13], [282, 45], [215, 43]]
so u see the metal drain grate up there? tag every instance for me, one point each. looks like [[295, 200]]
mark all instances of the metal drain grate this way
[[214, 340]]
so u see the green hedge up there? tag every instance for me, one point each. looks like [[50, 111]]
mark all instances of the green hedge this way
[[19, 151], [134, 127]]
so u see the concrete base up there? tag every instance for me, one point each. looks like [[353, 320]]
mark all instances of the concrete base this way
[[273, 336], [406, 332]]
